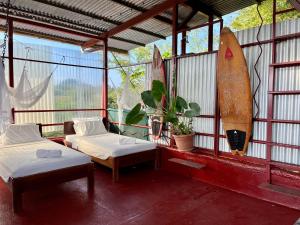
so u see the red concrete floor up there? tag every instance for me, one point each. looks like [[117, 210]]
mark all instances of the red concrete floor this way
[[143, 196]]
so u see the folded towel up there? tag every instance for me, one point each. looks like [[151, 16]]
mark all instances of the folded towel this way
[[46, 153], [127, 141]]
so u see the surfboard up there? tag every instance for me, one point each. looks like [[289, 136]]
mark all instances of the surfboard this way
[[158, 73], [234, 92]]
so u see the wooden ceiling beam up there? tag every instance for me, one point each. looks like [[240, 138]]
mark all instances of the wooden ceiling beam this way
[[141, 9], [202, 7], [187, 19], [155, 10]]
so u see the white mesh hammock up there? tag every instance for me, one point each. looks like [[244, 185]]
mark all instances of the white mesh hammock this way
[[126, 100], [22, 96], [128, 97]]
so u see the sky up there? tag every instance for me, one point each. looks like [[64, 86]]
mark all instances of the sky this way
[[200, 33]]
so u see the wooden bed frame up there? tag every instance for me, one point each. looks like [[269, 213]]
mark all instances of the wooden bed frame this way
[[115, 163], [28, 183]]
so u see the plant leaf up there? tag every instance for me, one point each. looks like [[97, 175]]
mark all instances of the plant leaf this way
[[189, 113], [138, 117], [180, 104], [158, 90], [148, 99], [133, 115], [171, 117], [195, 107]]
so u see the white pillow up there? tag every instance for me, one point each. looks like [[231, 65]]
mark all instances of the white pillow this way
[[87, 128], [21, 133], [79, 119]]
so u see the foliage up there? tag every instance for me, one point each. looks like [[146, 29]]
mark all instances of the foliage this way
[[248, 17], [136, 73], [50, 134], [141, 54], [144, 54], [176, 107], [135, 115], [197, 42], [112, 98]]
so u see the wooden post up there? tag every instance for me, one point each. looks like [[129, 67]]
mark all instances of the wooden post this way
[[210, 32], [173, 75], [105, 80], [183, 43], [271, 79], [217, 112], [11, 59]]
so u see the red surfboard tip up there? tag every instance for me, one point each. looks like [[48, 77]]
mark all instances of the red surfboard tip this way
[[228, 53]]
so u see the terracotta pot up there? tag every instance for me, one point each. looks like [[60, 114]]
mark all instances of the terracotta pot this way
[[184, 142]]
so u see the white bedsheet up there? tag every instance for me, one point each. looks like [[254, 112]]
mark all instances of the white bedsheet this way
[[105, 145], [20, 160]]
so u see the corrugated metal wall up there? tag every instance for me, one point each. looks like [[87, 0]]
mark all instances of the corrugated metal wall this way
[[197, 82]]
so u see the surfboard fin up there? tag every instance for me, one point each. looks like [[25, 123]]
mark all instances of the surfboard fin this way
[[236, 139]]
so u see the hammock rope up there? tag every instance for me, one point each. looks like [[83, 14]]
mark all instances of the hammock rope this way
[[5, 32]]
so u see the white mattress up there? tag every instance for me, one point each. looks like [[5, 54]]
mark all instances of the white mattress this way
[[20, 160], [107, 145]]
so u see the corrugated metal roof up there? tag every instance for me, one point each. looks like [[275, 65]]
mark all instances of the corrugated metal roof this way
[[96, 17]]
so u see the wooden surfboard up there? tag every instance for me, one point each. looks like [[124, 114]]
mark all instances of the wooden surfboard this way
[[158, 73], [234, 90]]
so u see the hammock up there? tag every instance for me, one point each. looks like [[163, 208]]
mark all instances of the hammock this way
[[23, 95], [5, 104], [127, 98]]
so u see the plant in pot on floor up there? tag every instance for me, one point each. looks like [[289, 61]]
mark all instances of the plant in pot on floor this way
[[177, 112]]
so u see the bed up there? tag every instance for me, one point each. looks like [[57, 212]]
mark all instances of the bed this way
[[106, 150], [23, 171]]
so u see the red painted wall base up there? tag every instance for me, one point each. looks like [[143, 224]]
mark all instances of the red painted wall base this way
[[236, 176]]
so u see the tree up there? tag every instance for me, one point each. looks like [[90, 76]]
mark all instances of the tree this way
[[197, 40], [144, 54], [141, 54], [136, 76], [136, 73], [248, 17]]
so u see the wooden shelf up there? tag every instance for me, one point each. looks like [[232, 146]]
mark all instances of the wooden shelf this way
[[281, 189], [285, 64], [187, 163], [285, 92]]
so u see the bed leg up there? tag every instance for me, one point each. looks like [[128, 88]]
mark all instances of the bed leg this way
[[157, 159], [115, 170], [90, 180], [16, 197]]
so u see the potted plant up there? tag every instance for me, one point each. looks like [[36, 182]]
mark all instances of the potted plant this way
[[177, 112]]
